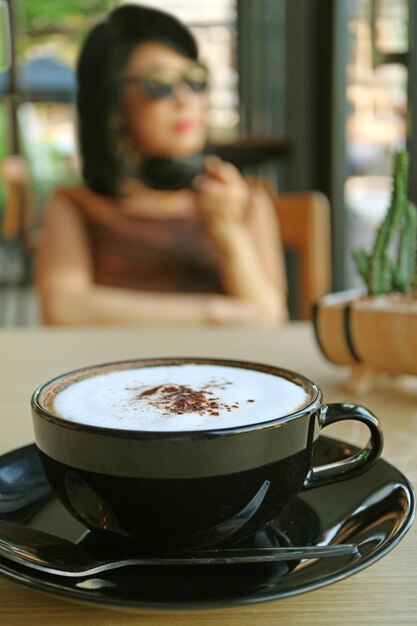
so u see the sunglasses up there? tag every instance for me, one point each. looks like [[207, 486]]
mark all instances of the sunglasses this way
[[161, 82]]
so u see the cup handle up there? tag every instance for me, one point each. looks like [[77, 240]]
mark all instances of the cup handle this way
[[356, 464]]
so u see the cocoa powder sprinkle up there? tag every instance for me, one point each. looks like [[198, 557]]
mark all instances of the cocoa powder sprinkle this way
[[180, 399], [150, 392]]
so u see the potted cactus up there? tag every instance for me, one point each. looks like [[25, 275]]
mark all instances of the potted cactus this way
[[375, 330]]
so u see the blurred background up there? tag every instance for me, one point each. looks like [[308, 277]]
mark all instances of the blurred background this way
[[315, 93]]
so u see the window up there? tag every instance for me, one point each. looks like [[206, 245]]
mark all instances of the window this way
[[376, 125]]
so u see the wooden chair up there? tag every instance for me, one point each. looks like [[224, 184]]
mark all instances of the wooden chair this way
[[305, 230], [17, 230], [18, 201]]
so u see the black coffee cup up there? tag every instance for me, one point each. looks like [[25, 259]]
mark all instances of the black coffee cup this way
[[181, 490]]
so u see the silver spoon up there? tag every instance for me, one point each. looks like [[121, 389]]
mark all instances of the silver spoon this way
[[47, 553]]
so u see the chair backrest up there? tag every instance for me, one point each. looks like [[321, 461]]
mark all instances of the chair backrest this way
[[305, 230], [18, 198]]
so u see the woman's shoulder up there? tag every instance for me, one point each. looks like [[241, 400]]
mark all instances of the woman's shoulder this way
[[81, 195], [60, 215], [84, 201]]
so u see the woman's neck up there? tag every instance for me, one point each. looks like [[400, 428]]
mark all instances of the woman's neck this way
[[137, 199]]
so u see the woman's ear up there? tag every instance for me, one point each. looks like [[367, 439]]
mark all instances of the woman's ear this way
[[125, 148]]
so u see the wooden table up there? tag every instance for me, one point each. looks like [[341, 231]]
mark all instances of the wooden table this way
[[385, 593]]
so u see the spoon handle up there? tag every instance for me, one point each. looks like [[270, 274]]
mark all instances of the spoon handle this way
[[229, 556], [48, 553]]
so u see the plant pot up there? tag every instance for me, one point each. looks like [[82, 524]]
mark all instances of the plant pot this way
[[371, 334]]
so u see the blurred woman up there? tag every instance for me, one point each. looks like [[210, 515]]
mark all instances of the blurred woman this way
[[160, 231]]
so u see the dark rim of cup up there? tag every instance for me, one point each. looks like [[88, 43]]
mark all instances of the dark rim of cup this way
[[57, 384]]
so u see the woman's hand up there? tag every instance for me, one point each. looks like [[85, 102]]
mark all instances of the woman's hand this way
[[222, 193], [241, 221]]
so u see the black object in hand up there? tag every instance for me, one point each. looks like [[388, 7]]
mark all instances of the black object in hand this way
[[171, 174]]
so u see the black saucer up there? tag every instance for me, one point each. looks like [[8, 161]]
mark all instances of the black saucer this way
[[374, 510]]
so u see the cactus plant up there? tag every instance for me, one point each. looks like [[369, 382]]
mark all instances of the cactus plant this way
[[381, 272]]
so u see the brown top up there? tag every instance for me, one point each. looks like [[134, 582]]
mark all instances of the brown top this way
[[146, 253]]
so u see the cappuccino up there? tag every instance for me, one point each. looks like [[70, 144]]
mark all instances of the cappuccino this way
[[185, 397], [234, 444]]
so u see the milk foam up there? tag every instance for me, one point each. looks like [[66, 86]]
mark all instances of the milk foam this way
[[136, 399]]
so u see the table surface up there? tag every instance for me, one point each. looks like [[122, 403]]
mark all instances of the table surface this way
[[384, 593]]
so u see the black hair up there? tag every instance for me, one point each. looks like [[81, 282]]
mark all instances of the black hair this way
[[101, 64]]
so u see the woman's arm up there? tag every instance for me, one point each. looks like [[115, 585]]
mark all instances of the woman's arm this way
[[243, 224], [68, 295]]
